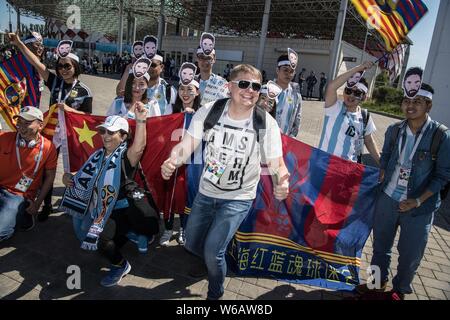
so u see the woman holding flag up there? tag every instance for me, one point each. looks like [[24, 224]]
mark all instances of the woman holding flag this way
[[66, 93], [98, 195]]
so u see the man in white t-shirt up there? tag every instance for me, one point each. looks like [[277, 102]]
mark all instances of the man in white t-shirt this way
[[231, 172], [347, 127]]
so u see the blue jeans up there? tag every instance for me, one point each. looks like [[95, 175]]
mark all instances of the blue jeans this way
[[210, 228], [12, 207], [81, 226], [414, 231]]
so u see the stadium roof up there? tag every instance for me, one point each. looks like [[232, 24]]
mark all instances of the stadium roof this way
[[311, 19]]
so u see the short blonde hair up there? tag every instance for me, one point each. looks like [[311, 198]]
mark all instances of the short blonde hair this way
[[245, 68]]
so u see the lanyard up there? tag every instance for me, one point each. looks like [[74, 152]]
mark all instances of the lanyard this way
[[401, 152], [67, 95], [38, 161]]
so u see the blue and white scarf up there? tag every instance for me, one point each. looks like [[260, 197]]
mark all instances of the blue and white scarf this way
[[96, 188]]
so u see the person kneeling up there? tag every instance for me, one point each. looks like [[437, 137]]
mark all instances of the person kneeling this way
[[27, 168], [98, 196]]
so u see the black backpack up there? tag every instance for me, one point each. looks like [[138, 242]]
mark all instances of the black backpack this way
[[168, 93], [435, 144], [365, 115], [259, 117]]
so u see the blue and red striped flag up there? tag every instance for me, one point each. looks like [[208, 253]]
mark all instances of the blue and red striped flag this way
[[392, 19], [19, 87], [316, 236]]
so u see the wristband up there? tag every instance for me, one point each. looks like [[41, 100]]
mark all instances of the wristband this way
[[141, 121], [418, 202]]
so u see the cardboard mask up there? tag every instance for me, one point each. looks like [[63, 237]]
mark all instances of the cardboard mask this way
[[207, 43], [187, 73], [150, 46], [354, 79], [138, 49], [293, 58], [273, 90], [64, 48], [141, 67], [412, 82]]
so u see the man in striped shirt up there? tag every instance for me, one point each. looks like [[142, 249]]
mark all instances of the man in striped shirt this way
[[344, 131]]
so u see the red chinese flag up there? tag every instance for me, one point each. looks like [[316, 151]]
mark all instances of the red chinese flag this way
[[163, 133]]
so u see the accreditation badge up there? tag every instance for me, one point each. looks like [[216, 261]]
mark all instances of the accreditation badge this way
[[403, 177], [214, 171], [24, 183]]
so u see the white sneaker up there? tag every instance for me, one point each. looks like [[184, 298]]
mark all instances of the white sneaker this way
[[165, 238], [181, 237]]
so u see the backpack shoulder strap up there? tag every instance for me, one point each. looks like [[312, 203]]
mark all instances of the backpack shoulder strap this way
[[436, 140], [259, 121], [365, 115], [394, 135], [214, 114], [168, 93]]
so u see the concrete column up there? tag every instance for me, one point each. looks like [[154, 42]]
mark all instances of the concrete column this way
[[336, 46], [438, 64], [120, 35], [262, 41], [133, 34], [18, 19], [405, 64], [161, 24], [208, 16]]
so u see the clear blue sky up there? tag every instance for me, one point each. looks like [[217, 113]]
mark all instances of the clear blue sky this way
[[420, 35]]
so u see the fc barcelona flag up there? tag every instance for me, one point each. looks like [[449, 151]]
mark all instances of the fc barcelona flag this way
[[393, 19], [317, 234], [19, 87]]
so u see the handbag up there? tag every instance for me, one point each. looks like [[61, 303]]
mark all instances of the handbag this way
[[142, 212]]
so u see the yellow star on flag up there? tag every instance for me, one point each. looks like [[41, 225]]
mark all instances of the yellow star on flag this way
[[85, 134]]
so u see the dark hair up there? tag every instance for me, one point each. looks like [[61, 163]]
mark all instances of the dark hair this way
[[128, 96], [178, 106], [207, 36], [364, 82], [75, 64], [415, 70], [148, 39], [427, 87], [283, 57]]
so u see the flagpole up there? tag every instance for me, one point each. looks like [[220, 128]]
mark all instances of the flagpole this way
[[176, 171], [365, 43], [64, 144]]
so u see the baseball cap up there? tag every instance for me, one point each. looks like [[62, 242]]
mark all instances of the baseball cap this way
[[115, 123], [30, 114]]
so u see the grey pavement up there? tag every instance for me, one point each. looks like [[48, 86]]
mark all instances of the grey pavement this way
[[33, 265]]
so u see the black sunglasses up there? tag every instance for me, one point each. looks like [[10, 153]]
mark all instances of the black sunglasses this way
[[65, 66], [244, 84], [103, 131], [355, 93]]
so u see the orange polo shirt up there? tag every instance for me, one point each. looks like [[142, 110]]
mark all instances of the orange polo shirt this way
[[10, 173]]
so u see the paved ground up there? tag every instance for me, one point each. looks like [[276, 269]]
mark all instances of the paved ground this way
[[33, 265]]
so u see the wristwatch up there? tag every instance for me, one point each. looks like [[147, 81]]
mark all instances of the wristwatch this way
[[418, 202], [141, 121]]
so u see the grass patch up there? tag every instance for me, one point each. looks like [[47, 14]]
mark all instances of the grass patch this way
[[391, 109]]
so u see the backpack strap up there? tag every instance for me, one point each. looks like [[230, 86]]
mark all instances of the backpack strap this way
[[214, 114], [395, 133], [436, 140], [365, 115], [259, 121], [168, 93]]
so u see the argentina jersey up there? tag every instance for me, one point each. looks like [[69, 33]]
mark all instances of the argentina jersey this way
[[342, 132]]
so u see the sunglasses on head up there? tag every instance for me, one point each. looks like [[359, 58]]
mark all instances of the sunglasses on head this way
[[65, 66], [355, 93], [244, 84], [103, 131]]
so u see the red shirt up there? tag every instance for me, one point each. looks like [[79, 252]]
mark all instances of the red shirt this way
[[10, 173]]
